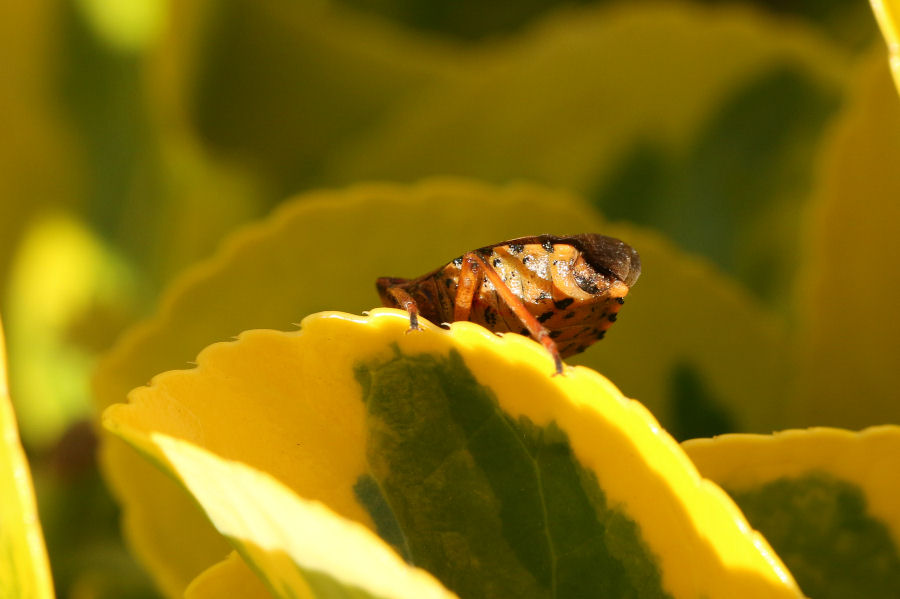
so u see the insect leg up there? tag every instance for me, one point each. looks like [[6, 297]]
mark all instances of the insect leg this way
[[537, 330], [470, 277], [405, 301]]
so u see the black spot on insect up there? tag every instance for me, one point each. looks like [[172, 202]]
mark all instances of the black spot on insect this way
[[555, 334], [543, 317], [448, 283], [581, 348], [543, 295], [485, 252], [621, 300], [547, 245], [601, 334], [612, 317], [497, 262], [563, 303], [526, 259], [569, 315], [457, 262], [524, 331], [490, 316], [584, 281], [516, 248]]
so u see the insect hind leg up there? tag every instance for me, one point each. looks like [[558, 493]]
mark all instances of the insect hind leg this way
[[535, 328]]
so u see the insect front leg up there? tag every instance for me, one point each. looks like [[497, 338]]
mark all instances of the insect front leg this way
[[403, 299], [535, 328]]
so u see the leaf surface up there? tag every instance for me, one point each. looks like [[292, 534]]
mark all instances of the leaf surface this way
[[826, 499]]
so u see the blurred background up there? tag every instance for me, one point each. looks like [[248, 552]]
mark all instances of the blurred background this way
[[138, 134]]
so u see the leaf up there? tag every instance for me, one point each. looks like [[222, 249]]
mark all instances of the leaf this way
[[848, 341], [58, 324], [826, 499], [460, 447], [887, 13], [299, 547], [35, 141], [231, 576], [325, 249], [625, 107], [24, 570], [284, 84]]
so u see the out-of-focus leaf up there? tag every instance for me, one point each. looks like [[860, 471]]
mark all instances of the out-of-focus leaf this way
[[698, 122], [69, 295], [459, 448], [232, 577], [325, 250], [151, 187], [849, 341], [24, 571], [848, 22], [126, 25], [826, 499], [283, 85], [888, 14], [36, 161]]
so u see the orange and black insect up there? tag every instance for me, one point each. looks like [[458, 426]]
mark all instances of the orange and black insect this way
[[564, 291]]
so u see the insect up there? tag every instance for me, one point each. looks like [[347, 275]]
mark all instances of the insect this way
[[564, 291]]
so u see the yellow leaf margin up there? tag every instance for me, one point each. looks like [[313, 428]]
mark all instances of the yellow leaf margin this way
[[24, 569], [887, 13]]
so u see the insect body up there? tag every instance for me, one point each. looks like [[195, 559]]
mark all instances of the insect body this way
[[564, 291]]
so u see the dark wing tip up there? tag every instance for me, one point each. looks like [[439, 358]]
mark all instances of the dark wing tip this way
[[611, 255]]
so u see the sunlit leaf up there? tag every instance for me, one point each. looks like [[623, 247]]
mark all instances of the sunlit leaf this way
[[459, 448], [888, 14], [826, 499], [299, 547], [24, 571]]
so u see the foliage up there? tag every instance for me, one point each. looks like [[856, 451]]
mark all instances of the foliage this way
[[747, 151]]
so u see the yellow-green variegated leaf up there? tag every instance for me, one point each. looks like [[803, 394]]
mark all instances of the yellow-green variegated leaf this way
[[300, 548], [325, 249], [826, 499], [849, 339], [458, 448], [24, 571], [887, 12], [283, 85]]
